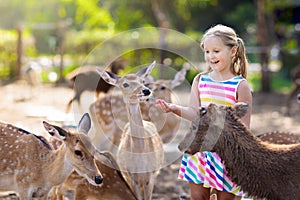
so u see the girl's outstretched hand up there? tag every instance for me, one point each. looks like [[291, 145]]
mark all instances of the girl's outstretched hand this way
[[164, 106]]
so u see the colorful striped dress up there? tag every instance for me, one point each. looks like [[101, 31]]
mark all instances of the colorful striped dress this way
[[207, 167]]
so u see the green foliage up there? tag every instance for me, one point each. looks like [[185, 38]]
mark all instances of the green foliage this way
[[7, 52], [83, 42], [91, 15], [280, 84], [254, 80]]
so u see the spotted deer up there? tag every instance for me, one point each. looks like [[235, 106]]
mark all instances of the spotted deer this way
[[280, 137], [140, 153], [31, 167], [109, 113], [251, 163], [113, 187]]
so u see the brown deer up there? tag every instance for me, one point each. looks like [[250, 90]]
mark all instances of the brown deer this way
[[140, 153], [113, 187], [250, 162], [31, 167], [295, 76], [87, 79], [109, 113]]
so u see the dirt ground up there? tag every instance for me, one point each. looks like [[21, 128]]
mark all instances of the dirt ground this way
[[27, 107]]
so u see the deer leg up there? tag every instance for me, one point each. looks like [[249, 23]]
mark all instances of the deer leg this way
[[75, 98], [149, 188]]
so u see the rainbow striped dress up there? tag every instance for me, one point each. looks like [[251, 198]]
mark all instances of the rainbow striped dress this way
[[207, 167]]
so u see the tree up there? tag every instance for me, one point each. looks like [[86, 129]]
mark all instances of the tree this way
[[262, 34]]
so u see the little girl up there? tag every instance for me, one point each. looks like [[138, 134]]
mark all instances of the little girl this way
[[224, 83]]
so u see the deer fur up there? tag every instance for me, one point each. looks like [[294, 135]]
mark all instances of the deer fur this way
[[87, 79], [114, 186], [140, 154], [31, 167], [280, 137], [109, 113], [262, 169]]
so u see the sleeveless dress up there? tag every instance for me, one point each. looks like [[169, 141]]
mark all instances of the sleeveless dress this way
[[206, 167]]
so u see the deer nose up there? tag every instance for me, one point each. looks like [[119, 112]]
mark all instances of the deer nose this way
[[146, 92], [98, 179]]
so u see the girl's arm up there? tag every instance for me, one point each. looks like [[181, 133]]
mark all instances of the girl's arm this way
[[244, 95], [186, 112]]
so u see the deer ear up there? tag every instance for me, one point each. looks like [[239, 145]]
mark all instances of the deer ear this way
[[179, 78], [146, 71], [240, 109], [84, 124], [55, 131], [108, 77]]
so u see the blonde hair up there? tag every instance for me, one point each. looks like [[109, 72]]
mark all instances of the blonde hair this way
[[229, 37]]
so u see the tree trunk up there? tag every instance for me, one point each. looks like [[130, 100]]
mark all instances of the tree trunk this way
[[164, 24], [16, 72], [262, 35]]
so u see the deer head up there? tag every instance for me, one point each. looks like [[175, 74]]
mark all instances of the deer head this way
[[206, 129], [131, 84], [81, 150]]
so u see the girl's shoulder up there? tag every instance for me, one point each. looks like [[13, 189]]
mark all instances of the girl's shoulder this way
[[201, 74]]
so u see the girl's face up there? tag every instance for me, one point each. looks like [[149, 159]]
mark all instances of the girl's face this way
[[217, 55]]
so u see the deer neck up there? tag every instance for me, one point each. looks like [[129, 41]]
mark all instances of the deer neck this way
[[60, 168], [135, 118]]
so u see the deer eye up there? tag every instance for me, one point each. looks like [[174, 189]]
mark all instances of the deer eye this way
[[163, 88], [78, 153], [125, 85]]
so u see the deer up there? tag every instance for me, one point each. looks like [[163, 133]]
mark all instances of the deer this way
[[114, 185], [251, 163], [140, 153], [295, 76], [30, 166], [280, 137], [109, 113], [87, 79]]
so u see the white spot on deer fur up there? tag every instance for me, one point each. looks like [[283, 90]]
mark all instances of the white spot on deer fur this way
[[4, 161]]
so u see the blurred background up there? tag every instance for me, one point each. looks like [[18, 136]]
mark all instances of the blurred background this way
[[43, 43], [56, 36]]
